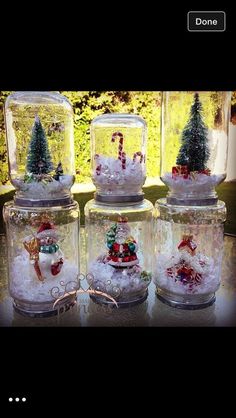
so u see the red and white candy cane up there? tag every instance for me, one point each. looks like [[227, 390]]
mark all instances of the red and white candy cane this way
[[138, 154], [121, 153]]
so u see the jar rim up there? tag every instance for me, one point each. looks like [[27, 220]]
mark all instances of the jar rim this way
[[35, 97], [116, 116]]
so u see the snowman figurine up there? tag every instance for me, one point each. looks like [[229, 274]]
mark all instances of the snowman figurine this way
[[45, 254]]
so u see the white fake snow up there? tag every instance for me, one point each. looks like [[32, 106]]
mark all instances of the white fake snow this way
[[210, 273], [42, 190], [26, 286], [200, 184], [116, 282], [112, 174]]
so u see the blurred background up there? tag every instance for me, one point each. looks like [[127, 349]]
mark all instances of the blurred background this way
[[89, 104]]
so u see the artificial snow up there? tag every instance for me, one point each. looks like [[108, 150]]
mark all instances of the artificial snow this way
[[200, 263], [116, 282], [201, 183], [131, 179], [40, 189], [27, 287]]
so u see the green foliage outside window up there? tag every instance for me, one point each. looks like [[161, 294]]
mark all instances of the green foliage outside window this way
[[88, 105]]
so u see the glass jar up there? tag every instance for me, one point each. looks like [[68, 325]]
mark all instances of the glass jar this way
[[118, 155], [194, 144], [43, 259], [119, 261], [40, 142], [189, 251]]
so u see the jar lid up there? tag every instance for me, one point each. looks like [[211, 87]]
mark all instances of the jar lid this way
[[118, 198], [24, 202]]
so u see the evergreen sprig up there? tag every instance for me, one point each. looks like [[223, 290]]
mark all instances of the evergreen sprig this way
[[194, 151], [38, 158]]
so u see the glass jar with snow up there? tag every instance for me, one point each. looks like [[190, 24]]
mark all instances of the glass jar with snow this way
[[43, 259], [194, 145], [189, 251], [39, 131], [118, 156], [119, 251]]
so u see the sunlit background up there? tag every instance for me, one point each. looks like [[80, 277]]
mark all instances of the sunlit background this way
[[89, 104]]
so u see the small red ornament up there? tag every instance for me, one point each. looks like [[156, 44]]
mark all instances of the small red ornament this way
[[126, 259], [206, 171], [116, 247], [180, 171], [187, 244], [98, 169], [125, 248], [45, 226], [185, 271], [56, 267]]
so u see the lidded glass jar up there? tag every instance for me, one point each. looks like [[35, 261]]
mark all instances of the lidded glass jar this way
[[189, 251], [118, 148], [119, 261], [194, 145], [43, 259], [39, 131]]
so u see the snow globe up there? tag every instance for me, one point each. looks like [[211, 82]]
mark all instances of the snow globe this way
[[189, 251], [118, 143], [194, 145], [189, 222], [39, 132], [43, 260], [42, 223], [119, 220], [119, 261]]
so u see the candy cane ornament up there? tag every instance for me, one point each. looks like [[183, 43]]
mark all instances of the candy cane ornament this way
[[138, 154], [121, 153], [123, 160], [99, 166]]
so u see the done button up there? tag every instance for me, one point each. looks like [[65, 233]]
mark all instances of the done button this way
[[206, 21]]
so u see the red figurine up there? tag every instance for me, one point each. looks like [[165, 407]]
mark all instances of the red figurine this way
[[187, 244], [180, 171]]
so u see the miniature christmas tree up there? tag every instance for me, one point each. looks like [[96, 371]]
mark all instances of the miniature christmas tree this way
[[194, 152], [39, 158]]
